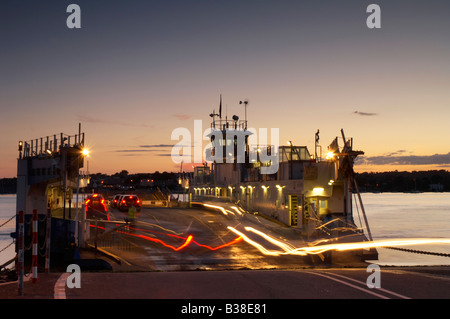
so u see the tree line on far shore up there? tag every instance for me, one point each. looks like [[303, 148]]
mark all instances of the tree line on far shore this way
[[416, 181]]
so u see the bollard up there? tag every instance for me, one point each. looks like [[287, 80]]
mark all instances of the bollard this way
[[20, 244], [34, 261]]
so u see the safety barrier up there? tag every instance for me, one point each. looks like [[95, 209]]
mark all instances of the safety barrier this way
[[25, 243], [102, 234]]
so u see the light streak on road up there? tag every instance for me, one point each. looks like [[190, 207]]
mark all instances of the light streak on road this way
[[373, 244], [260, 247], [237, 210], [154, 231], [159, 226], [284, 246], [235, 241], [187, 240], [287, 249], [223, 210], [305, 250], [186, 243]]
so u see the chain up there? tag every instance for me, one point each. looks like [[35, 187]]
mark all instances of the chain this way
[[7, 246], [419, 251], [14, 216]]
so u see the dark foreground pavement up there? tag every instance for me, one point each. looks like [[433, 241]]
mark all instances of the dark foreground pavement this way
[[332, 283]]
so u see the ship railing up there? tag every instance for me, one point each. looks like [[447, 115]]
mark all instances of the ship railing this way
[[51, 144], [286, 153], [228, 125], [259, 153], [257, 149], [84, 174]]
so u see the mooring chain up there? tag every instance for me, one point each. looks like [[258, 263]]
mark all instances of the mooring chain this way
[[7, 246], [12, 217], [419, 251]]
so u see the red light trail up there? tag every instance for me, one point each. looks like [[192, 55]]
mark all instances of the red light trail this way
[[187, 240]]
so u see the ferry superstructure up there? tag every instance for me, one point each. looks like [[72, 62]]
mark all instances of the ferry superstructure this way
[[49, 174], [308, 192]]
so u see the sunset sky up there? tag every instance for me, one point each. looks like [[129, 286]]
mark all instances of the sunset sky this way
[[137, 70]]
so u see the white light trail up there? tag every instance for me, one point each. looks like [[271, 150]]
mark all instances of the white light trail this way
[[303, 251], [223, 210], [261, 248]]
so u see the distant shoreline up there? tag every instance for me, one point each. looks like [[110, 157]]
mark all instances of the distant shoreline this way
[[365, 192], [436, 181]]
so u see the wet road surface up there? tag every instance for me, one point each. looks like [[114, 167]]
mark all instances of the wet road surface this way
[[169, 239]]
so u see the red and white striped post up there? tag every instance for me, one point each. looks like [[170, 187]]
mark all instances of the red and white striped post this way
[[34, 261], [20, 248], [47, 237]]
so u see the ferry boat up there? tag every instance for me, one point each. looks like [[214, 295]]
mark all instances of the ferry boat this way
[[311, 193], [49, 174]]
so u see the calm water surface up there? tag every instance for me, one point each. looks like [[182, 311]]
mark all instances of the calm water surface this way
[[7, 210], [403, 215]]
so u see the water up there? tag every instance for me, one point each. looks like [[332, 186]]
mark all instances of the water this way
[[408, 215], [7, 210], [390, 216], [402, 215]]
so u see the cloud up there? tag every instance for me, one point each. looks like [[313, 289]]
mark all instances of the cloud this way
[[183, 117], [395, 153], [156, 145], [164, 154], [148, 148], [365, 113], [131, 154], [134, 151], [436, 159]]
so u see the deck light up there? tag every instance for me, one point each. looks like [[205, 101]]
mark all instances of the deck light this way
[[85, 152], [318, 190]]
